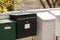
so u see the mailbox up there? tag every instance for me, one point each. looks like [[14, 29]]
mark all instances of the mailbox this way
[[45, 26], [7, 30], [26, 24]]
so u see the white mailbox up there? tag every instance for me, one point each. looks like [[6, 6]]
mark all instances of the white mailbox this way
[[46, 26], [57, 28]]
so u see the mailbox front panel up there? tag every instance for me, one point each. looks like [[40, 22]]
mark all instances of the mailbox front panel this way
[[7, 31], [26, 27]]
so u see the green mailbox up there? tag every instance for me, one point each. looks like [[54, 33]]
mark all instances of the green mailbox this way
[[7, 30]]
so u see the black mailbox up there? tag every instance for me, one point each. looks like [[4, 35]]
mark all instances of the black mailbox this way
[[26, 25]]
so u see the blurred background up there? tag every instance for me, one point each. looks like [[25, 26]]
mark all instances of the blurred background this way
[[34, 4]]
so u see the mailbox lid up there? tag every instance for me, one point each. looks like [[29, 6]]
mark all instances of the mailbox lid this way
[[55, 12], [45, 16], [22, 15]]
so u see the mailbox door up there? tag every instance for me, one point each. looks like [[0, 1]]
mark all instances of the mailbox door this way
[[26, 27], [7, 31]]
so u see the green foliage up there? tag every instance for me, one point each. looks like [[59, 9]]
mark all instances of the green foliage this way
[[5, 3]]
